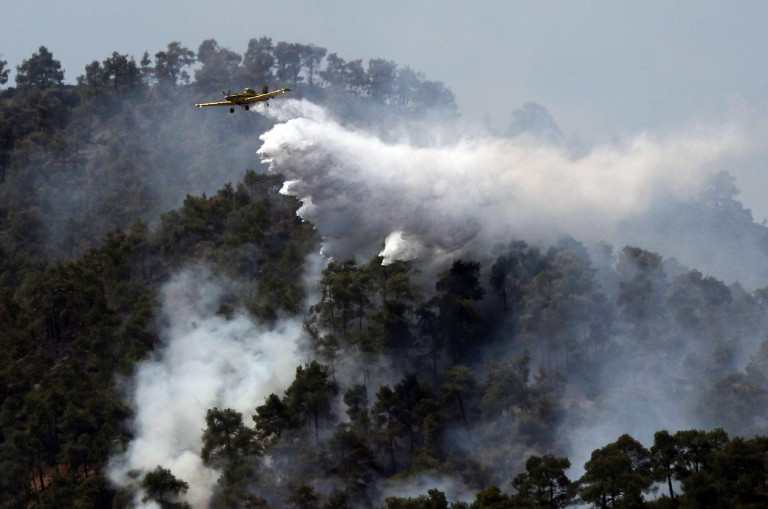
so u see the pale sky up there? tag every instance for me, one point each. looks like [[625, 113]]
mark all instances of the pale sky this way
[[603, 68]]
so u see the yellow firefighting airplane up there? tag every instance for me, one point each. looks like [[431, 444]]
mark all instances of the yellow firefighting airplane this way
[[246, 98]]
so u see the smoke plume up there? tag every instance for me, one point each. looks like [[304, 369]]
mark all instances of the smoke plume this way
[[206, 361], [439, 200], [408, 198], [429, 199]]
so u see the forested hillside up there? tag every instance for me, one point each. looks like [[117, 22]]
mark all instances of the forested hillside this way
[[476, 383]]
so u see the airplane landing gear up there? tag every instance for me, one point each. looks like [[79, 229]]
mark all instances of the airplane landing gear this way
[[231, 110], [246, 107]]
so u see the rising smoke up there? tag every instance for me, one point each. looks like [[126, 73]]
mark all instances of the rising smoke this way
[[206, 361], [440, 199], [427, 201]]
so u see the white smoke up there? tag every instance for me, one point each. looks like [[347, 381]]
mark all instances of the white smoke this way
[[418, 200], [419, 485], [428, 201], [206, 361], [423, 201]]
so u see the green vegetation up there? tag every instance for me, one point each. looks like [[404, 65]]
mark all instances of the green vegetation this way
[[160, 485], [475, 373], [711, 469]]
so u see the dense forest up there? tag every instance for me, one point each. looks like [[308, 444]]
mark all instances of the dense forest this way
[[472, 385]]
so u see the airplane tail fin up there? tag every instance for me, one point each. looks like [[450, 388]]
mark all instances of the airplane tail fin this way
[[264, 90]]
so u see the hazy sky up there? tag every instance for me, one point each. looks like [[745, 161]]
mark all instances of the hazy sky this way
[[598, 66], [602, 68]]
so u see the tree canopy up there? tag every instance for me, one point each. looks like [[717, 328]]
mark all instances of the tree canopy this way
[[475, 368]]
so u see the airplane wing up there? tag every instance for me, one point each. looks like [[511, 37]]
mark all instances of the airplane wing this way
[[219, 103], [264, 97], [257, 98]]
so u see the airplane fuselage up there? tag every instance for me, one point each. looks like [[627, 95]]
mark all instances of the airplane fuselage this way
[[245, 98], [245, 94]]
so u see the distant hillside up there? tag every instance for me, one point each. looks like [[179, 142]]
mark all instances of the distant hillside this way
[[150, 266]]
